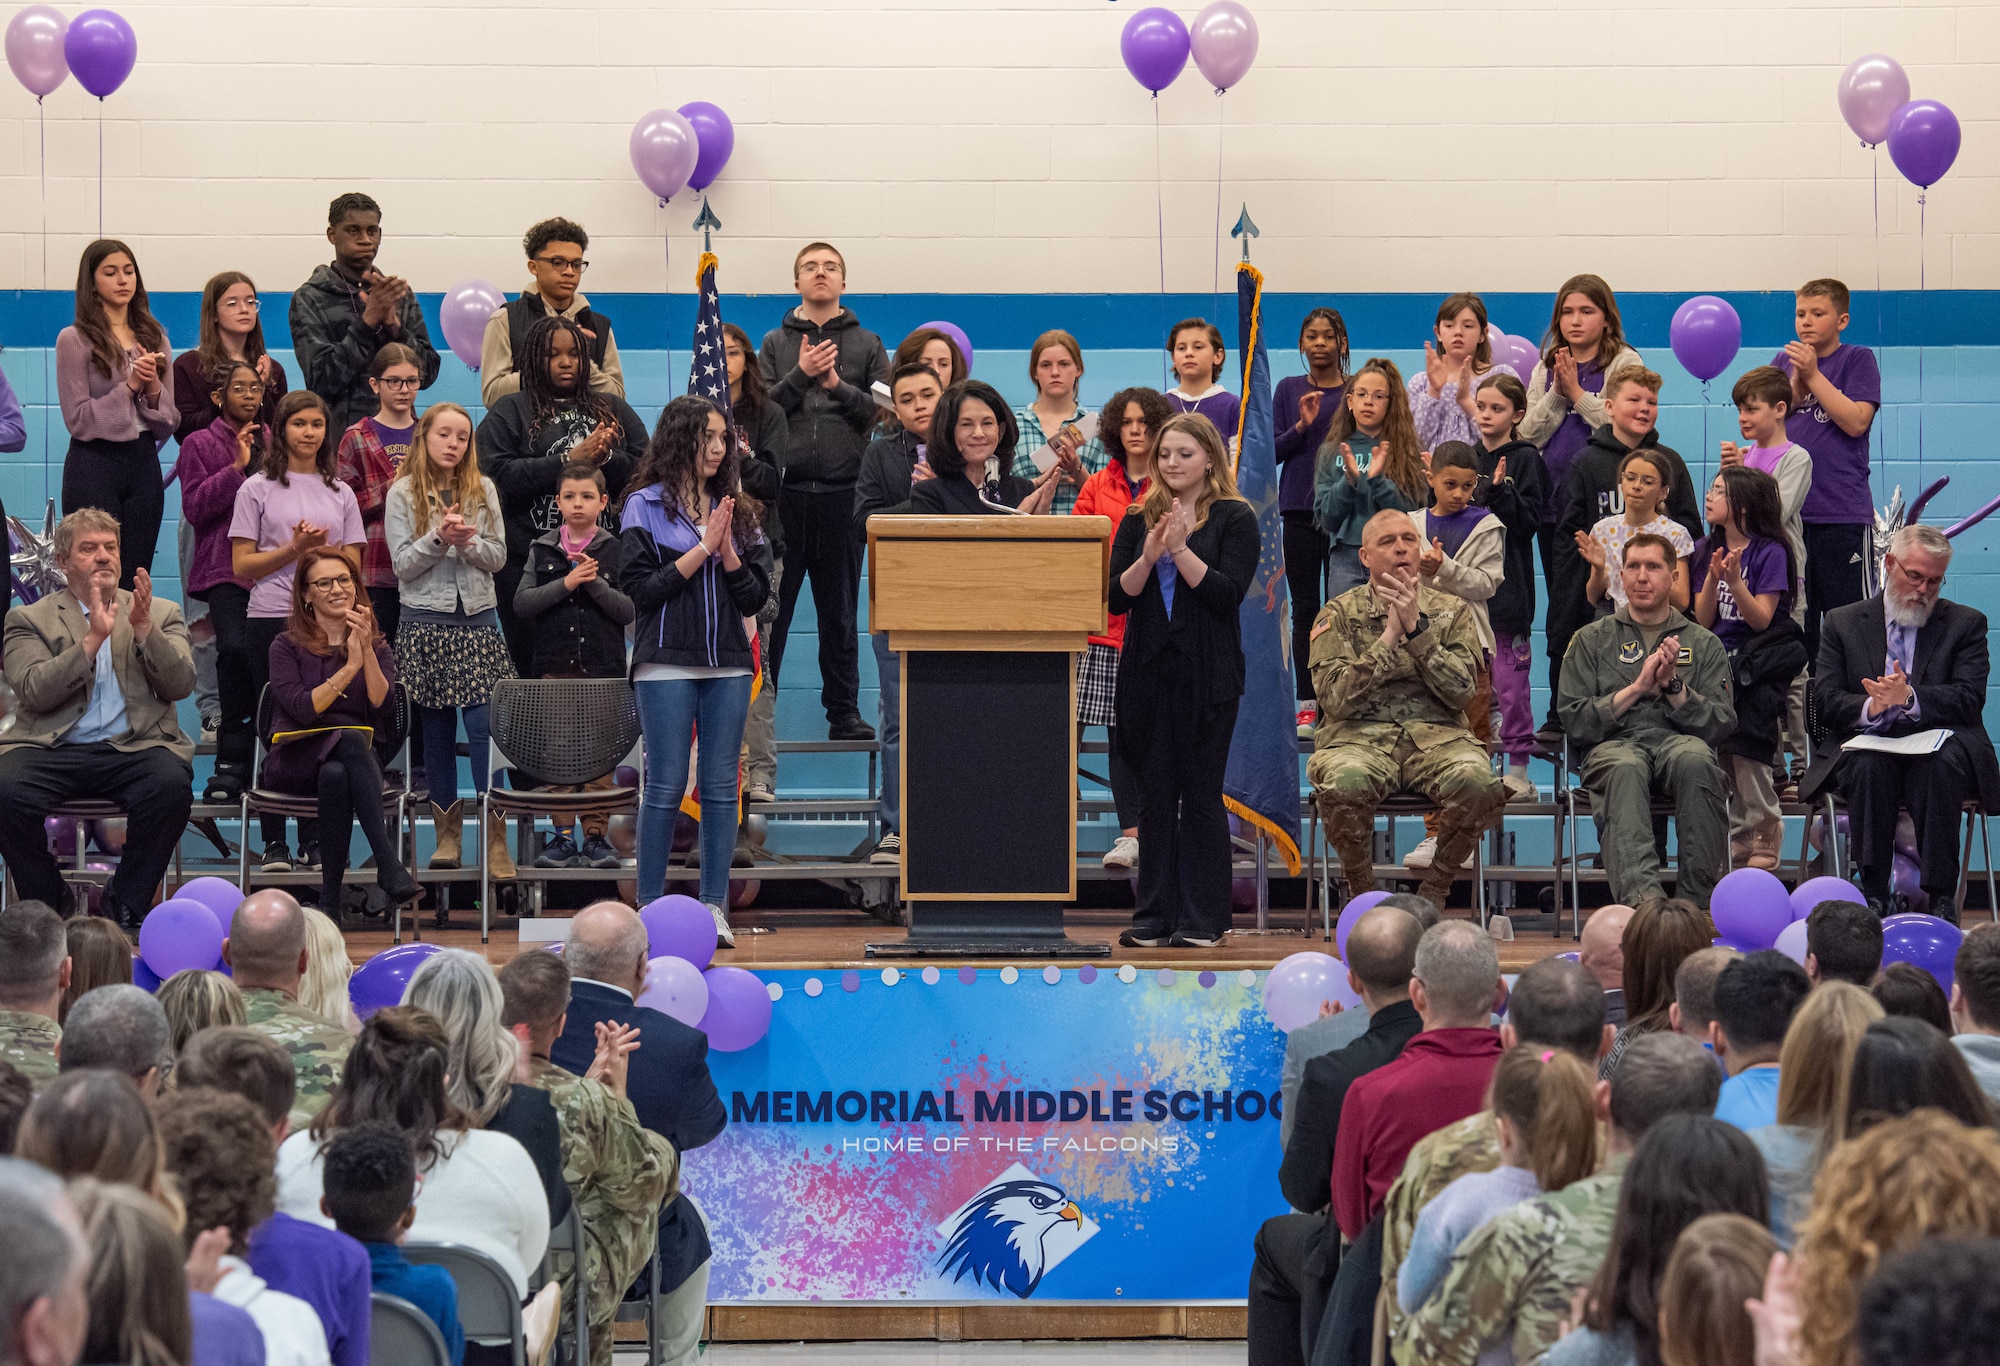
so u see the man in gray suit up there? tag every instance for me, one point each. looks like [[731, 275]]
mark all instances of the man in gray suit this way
[[96, 672]]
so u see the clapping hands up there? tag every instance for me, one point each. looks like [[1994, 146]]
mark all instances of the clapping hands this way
[[1398, 591], [1591, 549], [1891, 690]]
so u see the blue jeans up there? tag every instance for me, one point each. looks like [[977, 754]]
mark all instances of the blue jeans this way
[[889, 665], [440, 726], [672, 711]]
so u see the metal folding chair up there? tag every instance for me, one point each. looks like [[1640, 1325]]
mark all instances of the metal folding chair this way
[[488, 1309], [400, 1334]]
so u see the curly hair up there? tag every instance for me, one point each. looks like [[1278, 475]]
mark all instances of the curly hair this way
[[1331, 317], [553, 230], [1153, 406], [1922, 1176], [672, 458], [1938, 1303], [219, 1152], [1404, 464], [545, 401], [942, 448]]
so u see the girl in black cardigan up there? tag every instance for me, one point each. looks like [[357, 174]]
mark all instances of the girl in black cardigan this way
[[1182, 562]]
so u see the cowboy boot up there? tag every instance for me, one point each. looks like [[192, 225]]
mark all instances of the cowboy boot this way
[[450, 822], [499, 863]]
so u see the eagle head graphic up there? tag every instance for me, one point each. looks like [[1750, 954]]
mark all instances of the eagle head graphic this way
[[998, 1237]]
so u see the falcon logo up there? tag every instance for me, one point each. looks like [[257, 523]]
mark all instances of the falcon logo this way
[[1012, 1233]]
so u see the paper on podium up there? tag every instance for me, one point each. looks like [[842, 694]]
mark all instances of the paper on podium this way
[[1907, 746], [1045, 458]]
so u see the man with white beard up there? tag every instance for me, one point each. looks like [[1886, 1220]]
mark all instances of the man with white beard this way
[[1905, 661]]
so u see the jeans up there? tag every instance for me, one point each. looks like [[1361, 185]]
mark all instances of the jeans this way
[[1343, 570], [440, 727], [672, 712], [889, 665]]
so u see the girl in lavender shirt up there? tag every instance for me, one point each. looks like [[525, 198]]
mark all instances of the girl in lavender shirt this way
[[1462, 356]]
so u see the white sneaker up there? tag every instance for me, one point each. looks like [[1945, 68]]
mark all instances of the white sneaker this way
[[1124, 853], [724, 936], [888, 851], [1425, 854]]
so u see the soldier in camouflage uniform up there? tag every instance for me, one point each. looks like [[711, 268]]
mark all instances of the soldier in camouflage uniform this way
[[266, 950], [34, 970], [1394, 663]]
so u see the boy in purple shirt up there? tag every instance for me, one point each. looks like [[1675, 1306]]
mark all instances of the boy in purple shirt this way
[[1195, 349], [1836, 390]]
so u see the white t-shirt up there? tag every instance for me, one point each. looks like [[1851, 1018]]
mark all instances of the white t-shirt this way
[[292, 1332], [1614, 533]]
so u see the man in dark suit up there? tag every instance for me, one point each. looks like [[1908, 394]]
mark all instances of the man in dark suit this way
[[667, 1082], [1904, 661], [1297, 1254]]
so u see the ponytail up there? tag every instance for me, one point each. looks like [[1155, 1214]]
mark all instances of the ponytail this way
[[1546, 1095]]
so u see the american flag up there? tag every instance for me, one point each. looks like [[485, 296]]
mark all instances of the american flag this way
[[708, 374]]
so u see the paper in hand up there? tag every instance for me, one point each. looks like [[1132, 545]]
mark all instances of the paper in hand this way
[[1907, 746]]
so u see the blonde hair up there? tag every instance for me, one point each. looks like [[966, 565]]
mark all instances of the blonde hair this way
[[1817, 1060], [194, 1000], [466, 486], [459, 989], [1545, 1094], [1922, 1176], [137, 1287], [1220, 482], [1718, 1262], [323, 989]]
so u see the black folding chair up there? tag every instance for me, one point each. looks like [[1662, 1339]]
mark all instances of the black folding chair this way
[[489, 1310]]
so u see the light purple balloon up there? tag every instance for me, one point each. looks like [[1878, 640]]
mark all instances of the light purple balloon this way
[[739, 1009], [1750, 908], [463, 314], [218, 894], [382, 980], [35, 48], [1223, 40], [1350, 914], [675, 987], [1905, 877], [1811, 892], [664, 151], [1296, 988], [180, 934], [101, 49], [1155, 47], [679, 927], [1522, 354], [715, 138], [957, 334], [1923, 141], [1870, 90], [1792, 942], [1706, 334]]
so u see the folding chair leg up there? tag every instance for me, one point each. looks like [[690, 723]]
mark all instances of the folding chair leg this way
[[1986, 843], [485, 871], [1964, 871]]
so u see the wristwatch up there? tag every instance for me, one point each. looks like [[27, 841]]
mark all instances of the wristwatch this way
[[1423, 624], [1674, 687]]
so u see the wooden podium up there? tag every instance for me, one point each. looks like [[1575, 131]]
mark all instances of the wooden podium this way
[[988, 615]]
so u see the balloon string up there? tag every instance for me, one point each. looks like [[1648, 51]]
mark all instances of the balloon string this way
[[1923, 285], [1877, 437], [42, 116], [1704, 434], [1160, 226], [667, 255], [1215, 281], [100, 166]]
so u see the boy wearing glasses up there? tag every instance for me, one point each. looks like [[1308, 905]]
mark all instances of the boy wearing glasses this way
[[555, 248]]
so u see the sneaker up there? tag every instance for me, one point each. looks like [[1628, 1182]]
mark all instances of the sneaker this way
[[598, 853], [849, 728], [1124, 853], [1520, 787], [725, 938], [309, 858], [889, 850], [211, 727], [559, 852], [277, 858], [1426, 853], [1147, 936], [759, 792], [1308, 719], [1194, 941]]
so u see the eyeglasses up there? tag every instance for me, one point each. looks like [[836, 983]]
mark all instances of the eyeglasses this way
[[565, 265], [329, 584], [388, 383], [250, 304], [1920, 582], [247, 390]]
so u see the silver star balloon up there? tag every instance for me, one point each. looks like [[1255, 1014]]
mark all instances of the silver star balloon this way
[[32, 558]]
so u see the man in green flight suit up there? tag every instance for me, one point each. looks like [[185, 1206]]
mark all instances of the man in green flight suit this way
[[1645, 696]]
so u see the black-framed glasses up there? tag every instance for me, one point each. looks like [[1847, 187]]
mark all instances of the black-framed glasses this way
[[328, 584], [388, 383], [565, 265]]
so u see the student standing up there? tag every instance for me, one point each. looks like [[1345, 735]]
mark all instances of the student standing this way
[[819, 364], [1646, 479], [370, 455], [347, 311], [1180, 567], [1195, 351], [232, 329], [761, 434], [117, 394], [1514, 488], [1055, 366], [694, 570], [1455, 361], [1302, 410], [1375, 426], [928, 346], [555, 248]]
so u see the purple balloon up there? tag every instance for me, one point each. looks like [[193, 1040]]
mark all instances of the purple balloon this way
[[144, 977], [382, 980], [1224, 43], [101, 49], [1349, 915], [1811, 892], [1571, 957], [61, 832], [1706, 334], [679, 927], [1520, 353], [1923, 141], [957, 334], [664, 151], [1300, 984], [1750, 908], [1872, 89], [675, 987], [463, 314], [1792, 942], [626, 776], [35, 48], [715, 138], [180, 934], [1930, 943], [739, 1009], [1155, 47], [1816, 831], [220, 895], [94, 898], [1905, 878]]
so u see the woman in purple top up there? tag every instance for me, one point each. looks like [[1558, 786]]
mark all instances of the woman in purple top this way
[[1303, 409], [117, 396], [1462, 356], [232, 330]]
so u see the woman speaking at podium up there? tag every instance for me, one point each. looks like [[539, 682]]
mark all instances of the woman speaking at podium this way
[[971, 448], [1179, 569]]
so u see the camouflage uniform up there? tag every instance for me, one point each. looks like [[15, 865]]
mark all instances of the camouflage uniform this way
[[29, 1042], [619, 1175], [1438, 1159], [1654, 747], [316, 1045], [1392, 718], [1516, 1275]]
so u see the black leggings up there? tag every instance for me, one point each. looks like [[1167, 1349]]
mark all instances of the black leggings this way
[[262, 631], [1124, 784], [1306, 548], [235, 676], [350, 794], [123, 478]]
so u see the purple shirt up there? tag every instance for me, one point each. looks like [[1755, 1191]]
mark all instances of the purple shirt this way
[[264, 515], [224, 1335], [1217, 405], [101, 407], [1169, 575], [209, 481], [395, 440], [1839, 490], [1763, 572], [328, 1270], [1569, 437], [1453, 530], [1298, 452]]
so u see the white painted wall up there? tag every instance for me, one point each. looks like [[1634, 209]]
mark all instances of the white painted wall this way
[[949, 145]]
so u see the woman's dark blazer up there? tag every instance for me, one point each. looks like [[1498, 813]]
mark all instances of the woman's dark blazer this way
[[1204, 637]]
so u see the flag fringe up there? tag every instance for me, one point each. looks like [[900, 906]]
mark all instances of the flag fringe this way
[[1287, 846], [709, 261]]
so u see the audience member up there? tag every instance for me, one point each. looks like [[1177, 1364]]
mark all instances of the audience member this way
[[1373, 425], [1051, 426], [266, 950], [1814, 1068], [1755, 999], [116, 390], [667, 1081], [1935, 1304], [1514, 1279], [1659, 937], [231, 333], [1906, 989], [1646, 730], [140, 1310], [1975, 1006], [818, 366], [370, 1180], [120, 1028], [1945, 688], [1718, 1264], [35, 973], [323, 988], [554, 419], [347, 311], [96, 671], [1180, 678], [1901, 1065], [95, 1123], [762, 436], [1922, 1176], [1694, 991], [555, 248], [195, 1000], [44, 1279], [16, 1094], [1645, 479], [479, 1187], [1602, 953], [1302, 413], [369, 456], [1843, 943], [100, 955], [970, 448], [695, 571]]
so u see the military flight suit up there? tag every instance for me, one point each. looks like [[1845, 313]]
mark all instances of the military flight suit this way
[[1392, 718], [1655, 748], [29, 1042]]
